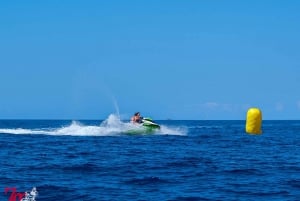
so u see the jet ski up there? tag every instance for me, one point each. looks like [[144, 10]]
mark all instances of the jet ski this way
[[149, 123], [146, 126]]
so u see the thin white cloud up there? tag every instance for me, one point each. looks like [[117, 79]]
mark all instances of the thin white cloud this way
[[298, 104], [210, 105], [279, 107], [230, 107], [224, 106]]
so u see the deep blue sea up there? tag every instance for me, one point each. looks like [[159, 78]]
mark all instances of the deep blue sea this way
[[186, 160]]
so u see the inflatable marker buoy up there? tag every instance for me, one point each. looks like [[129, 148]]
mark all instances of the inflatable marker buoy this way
[[253, 122]]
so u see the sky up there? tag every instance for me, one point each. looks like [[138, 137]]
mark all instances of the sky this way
[[181, 60]]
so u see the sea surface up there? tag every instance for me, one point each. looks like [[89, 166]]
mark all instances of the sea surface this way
[[186, 160]]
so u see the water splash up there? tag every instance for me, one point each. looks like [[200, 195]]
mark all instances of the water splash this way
[[165, 130], [116, 107], [31, 195], [112, 126]]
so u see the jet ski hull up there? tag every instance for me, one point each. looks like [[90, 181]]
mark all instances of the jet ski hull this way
[[147, 127]]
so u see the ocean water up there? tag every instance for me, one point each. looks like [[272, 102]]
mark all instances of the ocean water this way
[[186, 160]]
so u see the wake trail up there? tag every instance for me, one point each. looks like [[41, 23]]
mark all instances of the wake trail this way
[[112, 126]]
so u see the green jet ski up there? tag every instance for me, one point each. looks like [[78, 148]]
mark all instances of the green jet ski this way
[[147, 126]]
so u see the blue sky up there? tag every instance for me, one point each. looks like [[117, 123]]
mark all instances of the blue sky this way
[[167, 59]]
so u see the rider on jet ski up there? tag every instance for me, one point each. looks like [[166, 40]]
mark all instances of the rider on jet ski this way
[[136, 118]]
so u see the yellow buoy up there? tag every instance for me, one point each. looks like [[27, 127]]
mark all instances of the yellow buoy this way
[[253, 122]]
